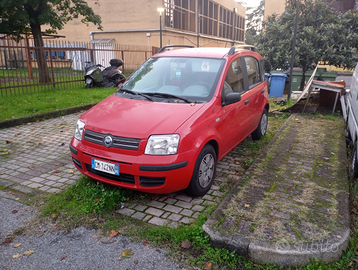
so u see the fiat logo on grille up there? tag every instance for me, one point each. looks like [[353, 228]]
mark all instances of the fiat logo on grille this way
[[108, 141]]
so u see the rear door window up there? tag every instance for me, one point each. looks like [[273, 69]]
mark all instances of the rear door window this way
[[253, 71]]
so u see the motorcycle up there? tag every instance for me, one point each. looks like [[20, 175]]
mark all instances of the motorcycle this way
[[98, 76]]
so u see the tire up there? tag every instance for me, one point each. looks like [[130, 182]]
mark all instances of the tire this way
[[204, 172], [348, 134], [354, 161], [260, 131], [89, 83]]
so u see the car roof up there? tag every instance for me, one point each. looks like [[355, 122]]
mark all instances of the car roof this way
[[207, 52]]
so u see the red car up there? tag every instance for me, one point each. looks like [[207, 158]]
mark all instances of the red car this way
[[168, 125]]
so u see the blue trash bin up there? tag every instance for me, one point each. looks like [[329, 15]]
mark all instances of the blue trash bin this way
[[267, 77], [278, 81]]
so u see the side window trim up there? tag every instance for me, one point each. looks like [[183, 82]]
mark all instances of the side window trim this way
[[262, 72], [244, 74]]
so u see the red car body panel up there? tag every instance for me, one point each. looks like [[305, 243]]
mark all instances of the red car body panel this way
[[196, 123]]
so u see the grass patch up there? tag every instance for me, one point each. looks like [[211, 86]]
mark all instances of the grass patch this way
[[24, 72], [85, 197], [34, 103], [280, 105]]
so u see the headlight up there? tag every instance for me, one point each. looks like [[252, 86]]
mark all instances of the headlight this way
[[162, 145], [79, 129]]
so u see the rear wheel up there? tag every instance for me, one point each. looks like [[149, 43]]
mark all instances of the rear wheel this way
[[260, 131], [204, 172]]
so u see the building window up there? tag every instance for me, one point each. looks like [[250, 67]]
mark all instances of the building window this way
[[208, 17], [239, 28], [212, 18], [180, 14], [225, 24], [61, 54]]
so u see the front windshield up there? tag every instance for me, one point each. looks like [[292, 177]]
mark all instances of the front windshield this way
[[191, 79]]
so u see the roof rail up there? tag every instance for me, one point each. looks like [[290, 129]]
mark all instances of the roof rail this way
[[172, 46], [242, 47]]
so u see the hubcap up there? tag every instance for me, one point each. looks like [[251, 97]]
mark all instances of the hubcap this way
[[353, 161], [206, 170], [263, 124]]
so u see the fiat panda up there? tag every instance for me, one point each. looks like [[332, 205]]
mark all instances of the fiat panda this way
[[168, 125]]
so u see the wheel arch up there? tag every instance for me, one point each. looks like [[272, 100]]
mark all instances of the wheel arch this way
[[215, 145], [267, 107]]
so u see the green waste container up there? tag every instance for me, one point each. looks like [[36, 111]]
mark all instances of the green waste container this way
[[296, 80], [320, 71], [329, 76], [276, 71], [308, 75]]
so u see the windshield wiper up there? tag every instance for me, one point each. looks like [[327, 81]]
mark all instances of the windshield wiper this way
[[136, 93], [171, 96]]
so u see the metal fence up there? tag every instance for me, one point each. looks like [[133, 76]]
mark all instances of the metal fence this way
[[19, 72]]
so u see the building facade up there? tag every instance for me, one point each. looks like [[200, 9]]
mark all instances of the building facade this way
[[278, 6], [186, 22]]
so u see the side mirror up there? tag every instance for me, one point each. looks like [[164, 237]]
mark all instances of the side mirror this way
[[231, 98]]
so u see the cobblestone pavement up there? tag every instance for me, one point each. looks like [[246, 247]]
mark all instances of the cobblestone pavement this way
[[36, 157], [292, 204]]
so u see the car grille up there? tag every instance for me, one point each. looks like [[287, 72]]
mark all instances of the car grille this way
[[151, 181], [124, 178], [118, 142]]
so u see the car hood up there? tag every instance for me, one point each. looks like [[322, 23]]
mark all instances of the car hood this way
[[137, 118]]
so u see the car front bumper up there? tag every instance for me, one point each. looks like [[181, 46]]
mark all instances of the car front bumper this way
[[147, 173]]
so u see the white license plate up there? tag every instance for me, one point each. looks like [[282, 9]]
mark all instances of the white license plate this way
[[105, 166]]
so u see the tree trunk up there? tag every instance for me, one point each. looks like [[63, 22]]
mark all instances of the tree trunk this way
[[40, 53]]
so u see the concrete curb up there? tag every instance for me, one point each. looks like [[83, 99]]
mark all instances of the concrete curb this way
[[282, 254], [296, 254], [42, 116]]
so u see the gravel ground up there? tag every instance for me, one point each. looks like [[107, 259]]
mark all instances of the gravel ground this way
[[12, 215], [78, 249]]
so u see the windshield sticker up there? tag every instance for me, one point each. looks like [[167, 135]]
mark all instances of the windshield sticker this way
[[178, 73], [205, 66]]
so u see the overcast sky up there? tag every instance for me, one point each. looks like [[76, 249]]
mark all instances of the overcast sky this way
[[251, 3]]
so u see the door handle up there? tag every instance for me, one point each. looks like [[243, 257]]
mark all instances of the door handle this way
[[247, 102]]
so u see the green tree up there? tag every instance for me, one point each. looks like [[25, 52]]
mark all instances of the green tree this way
[[255, 18], [254, 22], [27, 16], [322, 35]]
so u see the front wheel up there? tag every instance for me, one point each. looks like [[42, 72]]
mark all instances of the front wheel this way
[[204, 172], [89, 83], [260, 131]]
